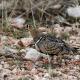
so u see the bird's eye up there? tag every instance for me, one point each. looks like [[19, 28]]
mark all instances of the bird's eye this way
[[27, 27]]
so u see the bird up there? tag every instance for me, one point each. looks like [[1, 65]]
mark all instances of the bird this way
[[51, 45]]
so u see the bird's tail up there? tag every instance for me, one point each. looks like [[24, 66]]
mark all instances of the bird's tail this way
[[76, 50]]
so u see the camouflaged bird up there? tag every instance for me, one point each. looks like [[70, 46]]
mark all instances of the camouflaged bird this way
[[50, 44]]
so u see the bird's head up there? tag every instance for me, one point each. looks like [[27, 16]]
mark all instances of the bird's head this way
[[28, 27]]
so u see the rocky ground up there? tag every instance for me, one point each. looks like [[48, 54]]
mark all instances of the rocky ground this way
[[19, 61]]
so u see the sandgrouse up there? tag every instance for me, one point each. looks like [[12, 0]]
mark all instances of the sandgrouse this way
[[50, 44]]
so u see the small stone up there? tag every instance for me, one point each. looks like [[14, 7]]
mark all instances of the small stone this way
[[32, 54], [25, 42], [17, 22], [6, 65], [74, 11], [34, 71], [57, 6], [1, 66], [2, 62], [36, 77]]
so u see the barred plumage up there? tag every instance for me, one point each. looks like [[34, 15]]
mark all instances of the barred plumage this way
[[50, 44]]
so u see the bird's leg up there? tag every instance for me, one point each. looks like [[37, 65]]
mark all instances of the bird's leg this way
[[59, 60], [49, 65], [52, 30], [77, 24]]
